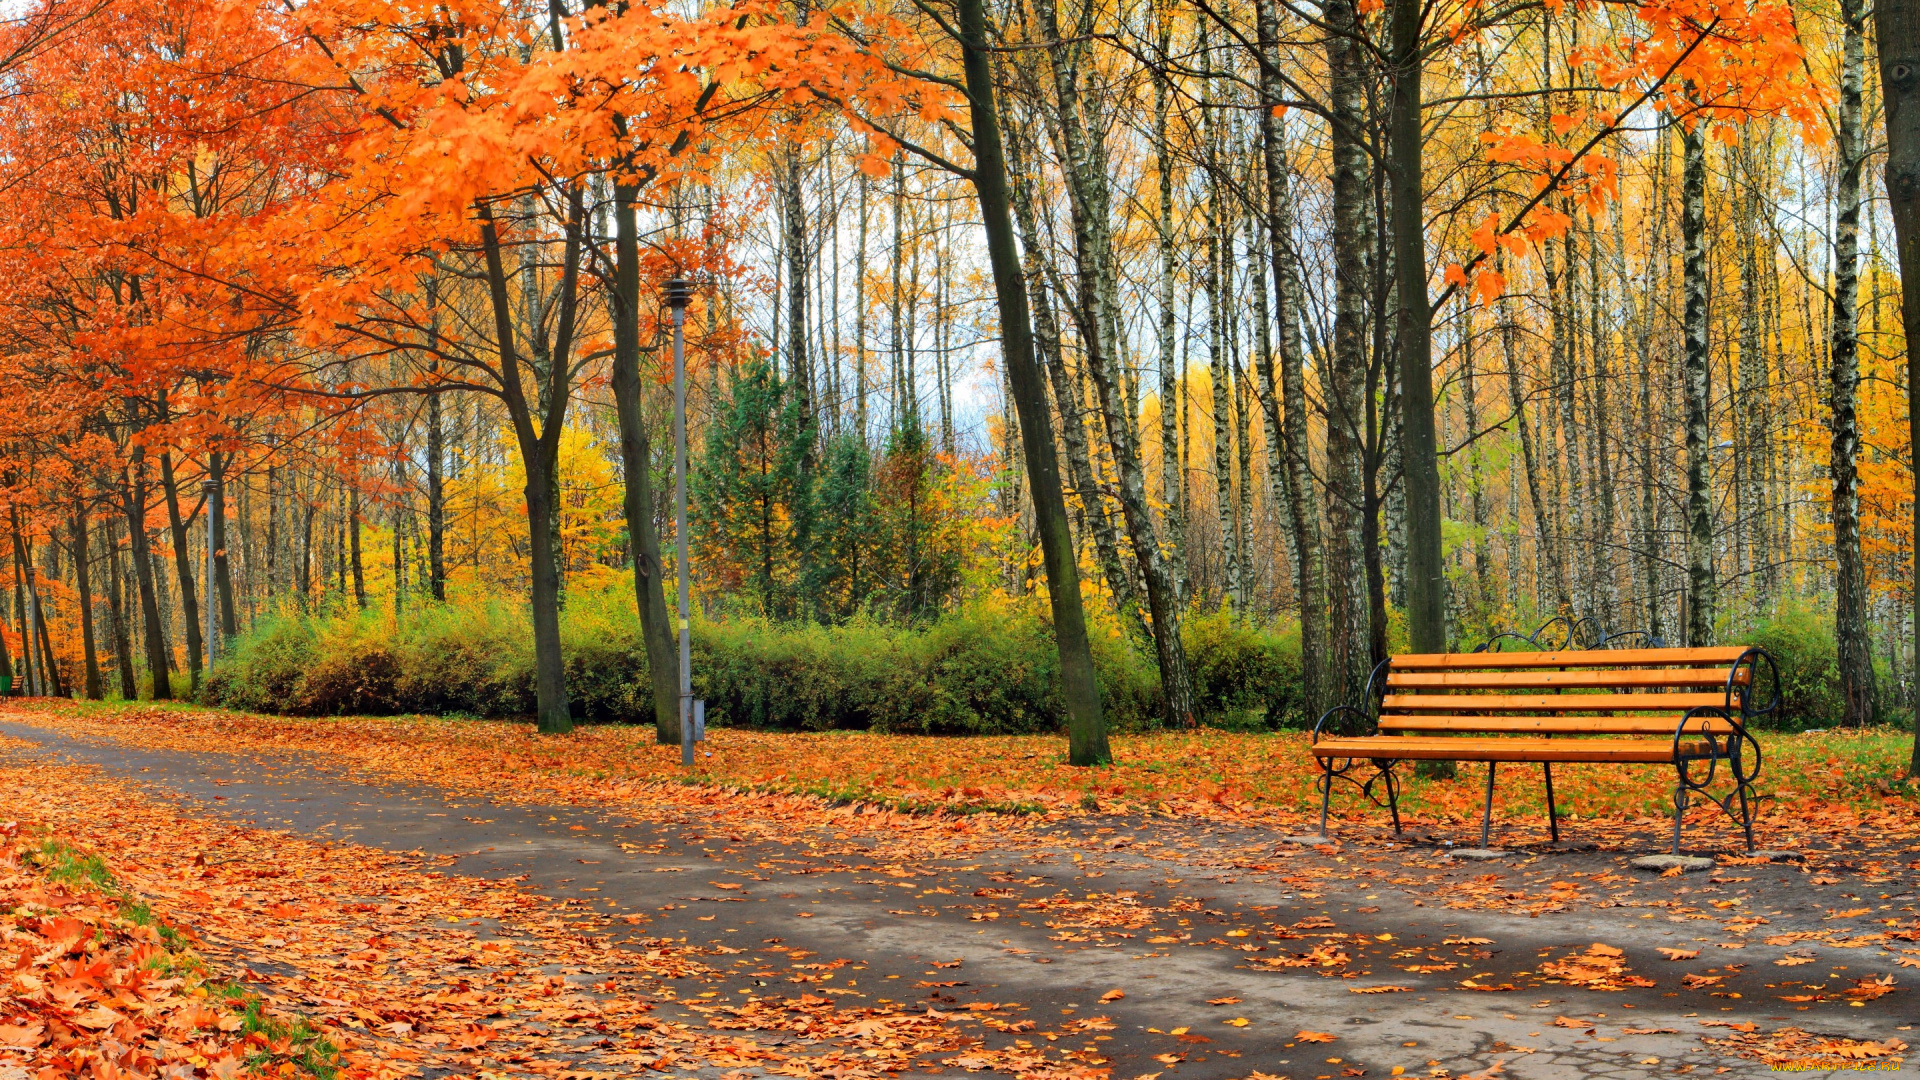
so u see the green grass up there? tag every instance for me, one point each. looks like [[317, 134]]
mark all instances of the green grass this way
[[63, 864], [309, 1050]]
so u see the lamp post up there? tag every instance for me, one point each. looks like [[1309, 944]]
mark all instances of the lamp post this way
[[36, 675], [679, 292], [210, 596]]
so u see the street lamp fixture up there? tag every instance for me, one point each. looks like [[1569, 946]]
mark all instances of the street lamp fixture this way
[[679, 294]]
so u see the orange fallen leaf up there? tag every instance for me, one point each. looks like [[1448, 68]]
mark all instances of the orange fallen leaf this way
[[1113, 995], [1315, 1037], [1677, 954]]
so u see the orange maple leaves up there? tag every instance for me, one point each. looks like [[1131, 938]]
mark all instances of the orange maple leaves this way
[[1713, 62]]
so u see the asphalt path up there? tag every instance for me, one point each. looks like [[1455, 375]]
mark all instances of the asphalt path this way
[[953, 932]]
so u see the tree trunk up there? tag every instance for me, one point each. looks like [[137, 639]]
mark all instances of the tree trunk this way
[[1099, 323], [1346, 376], [1289, 416], [1086, 728], [222, 565], [353, 547], [436, 504], [1693, 226], [536, 453], [117, 607], [183, 566], [30, 686], [134, 493], [81, 584], [1854, 647], [1425, 573], [636, 461], [1172, 483]]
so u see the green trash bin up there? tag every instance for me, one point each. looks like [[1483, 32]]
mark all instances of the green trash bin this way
[[6, 685]]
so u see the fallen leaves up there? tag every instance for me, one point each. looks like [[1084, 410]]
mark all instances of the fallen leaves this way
[[1802, 1050], [1314, 1037], [1677, 954], [1601, 967], [1113, 995], [82, 949]]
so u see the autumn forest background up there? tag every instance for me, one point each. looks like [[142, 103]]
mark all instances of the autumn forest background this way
[[346, 319]]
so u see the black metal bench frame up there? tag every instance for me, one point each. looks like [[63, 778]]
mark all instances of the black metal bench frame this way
[[1736, 746]]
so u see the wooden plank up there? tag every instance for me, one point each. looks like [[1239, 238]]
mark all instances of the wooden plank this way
[[1568, 680], [1467, 749], [1551, 703], [1724, 656], [1559, 725]]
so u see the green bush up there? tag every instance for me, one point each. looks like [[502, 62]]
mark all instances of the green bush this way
[[991, 668], [1802, 647], [1245, 676]]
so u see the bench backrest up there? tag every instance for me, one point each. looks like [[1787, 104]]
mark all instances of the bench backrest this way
[[1597, 692]]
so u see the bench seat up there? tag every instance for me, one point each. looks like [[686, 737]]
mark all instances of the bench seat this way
[[1410, 748], [1684, 708]]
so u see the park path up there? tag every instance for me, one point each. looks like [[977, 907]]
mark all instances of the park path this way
[[1159, 914]]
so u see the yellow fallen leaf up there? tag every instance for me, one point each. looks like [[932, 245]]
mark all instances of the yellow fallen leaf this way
[[1239, 1021]]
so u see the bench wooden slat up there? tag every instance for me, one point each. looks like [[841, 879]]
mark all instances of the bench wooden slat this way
[[1655, 751], [1574, 680], [1722, 656], [1550, 703], [1559, 725]]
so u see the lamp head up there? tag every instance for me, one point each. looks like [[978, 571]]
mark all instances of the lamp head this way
[[679, 292]]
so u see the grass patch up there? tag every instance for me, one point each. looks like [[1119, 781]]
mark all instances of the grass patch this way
[[271, 1038], [276, 1038], [63, 864]]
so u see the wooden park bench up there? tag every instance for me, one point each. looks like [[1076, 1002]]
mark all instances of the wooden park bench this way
[[1686, 708]]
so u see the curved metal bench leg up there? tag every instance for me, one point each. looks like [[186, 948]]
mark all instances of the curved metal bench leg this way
[[1486, 818], [1393, 796], [1553, 822], [1326, 792], [1679, 805], [1746, 807]]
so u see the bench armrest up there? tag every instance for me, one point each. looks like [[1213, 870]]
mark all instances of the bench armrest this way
[[1752, 660], [1345, 721], [1744, 763], [1367, 712]]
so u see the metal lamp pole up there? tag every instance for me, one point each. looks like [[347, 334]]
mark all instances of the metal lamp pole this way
[[36, 675], [210, 597], [679, 293]]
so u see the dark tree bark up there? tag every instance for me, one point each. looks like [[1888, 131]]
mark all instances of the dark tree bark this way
[[82, 584], [1853, 645], [436, 500], [1097, 310], [1693, 227], [539, 449], [1349, 507], [1425, 573], [222, 565], [1086, 727], [636, 459], [1897, 26], [183, 566], [117, 608], [133, 493]]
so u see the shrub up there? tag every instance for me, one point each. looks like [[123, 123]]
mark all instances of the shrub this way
[[1245, 676], [988, 669], [1802, 646]]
